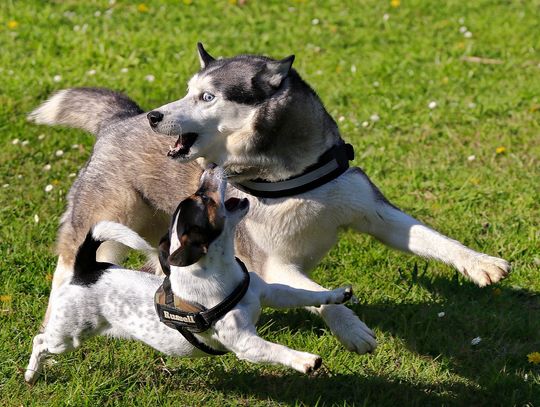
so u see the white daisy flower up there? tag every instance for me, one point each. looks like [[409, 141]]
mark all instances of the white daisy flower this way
[[374, 117], [441, 314], [124, 70], [15, 141], [315, 21], [59, 153], [25, 143], [467, 34], [36, 218], [41, 136], [150, 78], [48, 188], [57, 78], [476, 341], [432, 105], [91, 72], [365, 123], [471, 158], [47, 167]]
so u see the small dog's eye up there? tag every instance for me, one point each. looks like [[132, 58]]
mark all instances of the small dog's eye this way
[[207, 97]]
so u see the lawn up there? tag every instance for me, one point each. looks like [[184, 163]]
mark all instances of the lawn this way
[[442, 103]]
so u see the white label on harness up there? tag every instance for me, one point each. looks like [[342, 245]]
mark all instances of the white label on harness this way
[[188, 319]]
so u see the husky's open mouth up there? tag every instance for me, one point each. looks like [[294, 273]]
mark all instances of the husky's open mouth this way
[[182, 145]]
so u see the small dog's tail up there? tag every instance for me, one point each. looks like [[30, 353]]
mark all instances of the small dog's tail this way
[[87, 269], [107, 230], [89, 109]]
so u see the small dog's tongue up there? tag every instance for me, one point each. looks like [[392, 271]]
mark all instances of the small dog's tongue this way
[[182, 145]]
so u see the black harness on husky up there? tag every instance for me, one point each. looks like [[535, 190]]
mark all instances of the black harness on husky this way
[[330, 165], [189, 318]]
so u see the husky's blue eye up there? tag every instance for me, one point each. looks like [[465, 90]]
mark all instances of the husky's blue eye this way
[[207, 97]]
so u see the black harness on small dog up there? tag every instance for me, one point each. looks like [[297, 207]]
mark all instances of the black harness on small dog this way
[[330, 165], [189, 318]]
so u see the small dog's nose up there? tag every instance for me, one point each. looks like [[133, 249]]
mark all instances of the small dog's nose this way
[[154, 117]]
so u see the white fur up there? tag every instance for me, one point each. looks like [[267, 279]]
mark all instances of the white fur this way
[[121, 304], [48, 111], [305, 227]]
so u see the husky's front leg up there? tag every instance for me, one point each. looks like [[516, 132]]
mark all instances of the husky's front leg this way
[[372, 213], [353, 334], [240, 336]]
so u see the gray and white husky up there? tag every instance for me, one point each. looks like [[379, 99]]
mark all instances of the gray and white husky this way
[[255, 117]]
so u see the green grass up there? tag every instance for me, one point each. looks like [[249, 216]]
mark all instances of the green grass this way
[[361, 65]]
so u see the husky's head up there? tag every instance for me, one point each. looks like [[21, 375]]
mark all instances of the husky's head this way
[[252, 115]]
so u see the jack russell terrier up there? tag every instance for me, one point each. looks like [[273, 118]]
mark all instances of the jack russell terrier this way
[[208, 303]]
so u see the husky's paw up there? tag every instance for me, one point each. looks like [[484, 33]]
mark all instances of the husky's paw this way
[[340, 295], [485, 270], [306, 362], [353, 334]]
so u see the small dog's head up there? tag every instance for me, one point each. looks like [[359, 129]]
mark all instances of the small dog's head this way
[[202, 221]]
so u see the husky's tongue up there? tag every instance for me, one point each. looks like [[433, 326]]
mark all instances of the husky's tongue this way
[[182, 145]]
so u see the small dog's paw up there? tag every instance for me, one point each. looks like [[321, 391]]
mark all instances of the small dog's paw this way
[[340, 295], [307, 362], [485, 270], [348, 293]]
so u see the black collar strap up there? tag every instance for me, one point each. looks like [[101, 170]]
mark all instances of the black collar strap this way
[[331, 164], [189, 318]]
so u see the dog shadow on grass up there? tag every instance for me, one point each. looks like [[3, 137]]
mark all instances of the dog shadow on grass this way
[[492, 372]]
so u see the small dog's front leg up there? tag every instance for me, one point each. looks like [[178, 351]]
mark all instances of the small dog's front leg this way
[[247, 345], [284, 296], [350, 331]]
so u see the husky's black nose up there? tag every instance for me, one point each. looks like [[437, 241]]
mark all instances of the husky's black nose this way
[[154, 117]]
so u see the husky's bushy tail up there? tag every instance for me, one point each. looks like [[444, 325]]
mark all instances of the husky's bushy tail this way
[[89, 109], [87, 269]]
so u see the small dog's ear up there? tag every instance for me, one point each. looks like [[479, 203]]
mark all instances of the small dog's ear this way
[[204, 57], [187, 255], [164, 249], [277, 71]]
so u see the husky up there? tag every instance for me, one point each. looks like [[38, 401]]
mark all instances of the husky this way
[[214, 300], [255, 117]]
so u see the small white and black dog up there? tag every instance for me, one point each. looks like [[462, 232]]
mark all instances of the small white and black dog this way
[[202, 272]]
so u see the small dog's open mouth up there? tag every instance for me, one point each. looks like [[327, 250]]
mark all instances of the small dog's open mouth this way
[[182, 145], [234, 204]]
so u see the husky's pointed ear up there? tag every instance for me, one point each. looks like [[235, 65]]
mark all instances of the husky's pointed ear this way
[[204, 57], [277, 71]]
